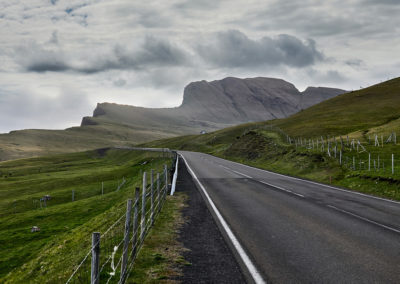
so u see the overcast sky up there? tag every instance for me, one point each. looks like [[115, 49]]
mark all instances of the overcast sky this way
[[59, 58]]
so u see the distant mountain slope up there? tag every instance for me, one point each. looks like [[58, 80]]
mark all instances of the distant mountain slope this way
[[217, 104], [360, 110], [206, 106]]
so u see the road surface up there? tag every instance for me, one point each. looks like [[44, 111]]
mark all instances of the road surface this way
[[288, 230]]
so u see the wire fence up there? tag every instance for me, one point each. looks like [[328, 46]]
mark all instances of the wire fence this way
[[377, 156], [112, 254], [66, 196]]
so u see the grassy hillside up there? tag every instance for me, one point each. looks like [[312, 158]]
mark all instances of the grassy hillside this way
[[360, 114], [39, 142], [355, 111], [48, 256]]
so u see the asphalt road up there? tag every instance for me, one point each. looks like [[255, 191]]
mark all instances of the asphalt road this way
[[297, 231]]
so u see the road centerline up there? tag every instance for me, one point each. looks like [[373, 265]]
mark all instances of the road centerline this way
[[364, 219]]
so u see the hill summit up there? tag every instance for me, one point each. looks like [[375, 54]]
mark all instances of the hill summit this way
[[217, 104], [206, 106]]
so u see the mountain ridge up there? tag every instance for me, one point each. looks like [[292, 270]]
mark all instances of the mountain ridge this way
[[206, 106], [234, 101]]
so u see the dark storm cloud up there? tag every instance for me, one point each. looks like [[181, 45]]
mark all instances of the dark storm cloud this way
[[355, 62], [152, 53], [234, 49]]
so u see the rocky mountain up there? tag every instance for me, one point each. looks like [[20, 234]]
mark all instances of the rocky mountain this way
[[217, 104], [206, 106]]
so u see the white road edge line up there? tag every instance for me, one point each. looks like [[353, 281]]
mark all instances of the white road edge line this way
[[363, 218], [313, 182], [245, 258]]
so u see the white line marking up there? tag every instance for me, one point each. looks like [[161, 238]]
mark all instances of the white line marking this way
[[363, 218], [312, 182], [239, 173], [278, 187], [298, 194], [246, 260], [281, 188]]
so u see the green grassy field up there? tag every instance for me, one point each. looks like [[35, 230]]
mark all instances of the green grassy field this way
[[359, 115], [50, 255]]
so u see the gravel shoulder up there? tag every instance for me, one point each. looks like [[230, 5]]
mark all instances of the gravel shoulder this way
[[209, 258]]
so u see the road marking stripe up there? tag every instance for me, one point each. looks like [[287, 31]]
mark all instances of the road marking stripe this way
[[239, 173], [313, 182], [281, 188], [245, 258], [363, 218]]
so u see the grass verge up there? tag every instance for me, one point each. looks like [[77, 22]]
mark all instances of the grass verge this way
[[161, 255]]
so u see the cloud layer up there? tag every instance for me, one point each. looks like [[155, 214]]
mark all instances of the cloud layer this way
[[144, 54]]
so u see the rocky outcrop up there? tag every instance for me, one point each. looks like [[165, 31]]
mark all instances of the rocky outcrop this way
[[217, 104]]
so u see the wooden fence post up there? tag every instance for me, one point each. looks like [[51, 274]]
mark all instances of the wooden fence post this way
[[369, 161], [143, 221], [73, 195], [152, 196], [95, 276], [126, 240], [158, 192], [135, 222], [392, 164], [166, 177]]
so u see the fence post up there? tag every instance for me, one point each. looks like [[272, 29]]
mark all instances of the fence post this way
[[95, 277], [73, 195], [126, 239], [158, 192], [135, 221], [143, 221], [392, 164], [102, 187], [340, 157], [152, 196], [369, 161], [166, 177]]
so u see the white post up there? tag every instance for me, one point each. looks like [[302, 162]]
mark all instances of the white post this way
[[175, 177], [369, 161], [392, 164]]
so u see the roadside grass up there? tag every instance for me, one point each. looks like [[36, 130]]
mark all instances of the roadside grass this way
[[160, 258], [256, 145], [355, 111], [50, 255]]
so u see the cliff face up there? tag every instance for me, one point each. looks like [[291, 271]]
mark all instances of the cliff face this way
[[216, 104]]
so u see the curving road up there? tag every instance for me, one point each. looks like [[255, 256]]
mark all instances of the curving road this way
[[288, 230]]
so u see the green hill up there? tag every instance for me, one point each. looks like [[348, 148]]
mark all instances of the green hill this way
[[361, 110], [360, 114]]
